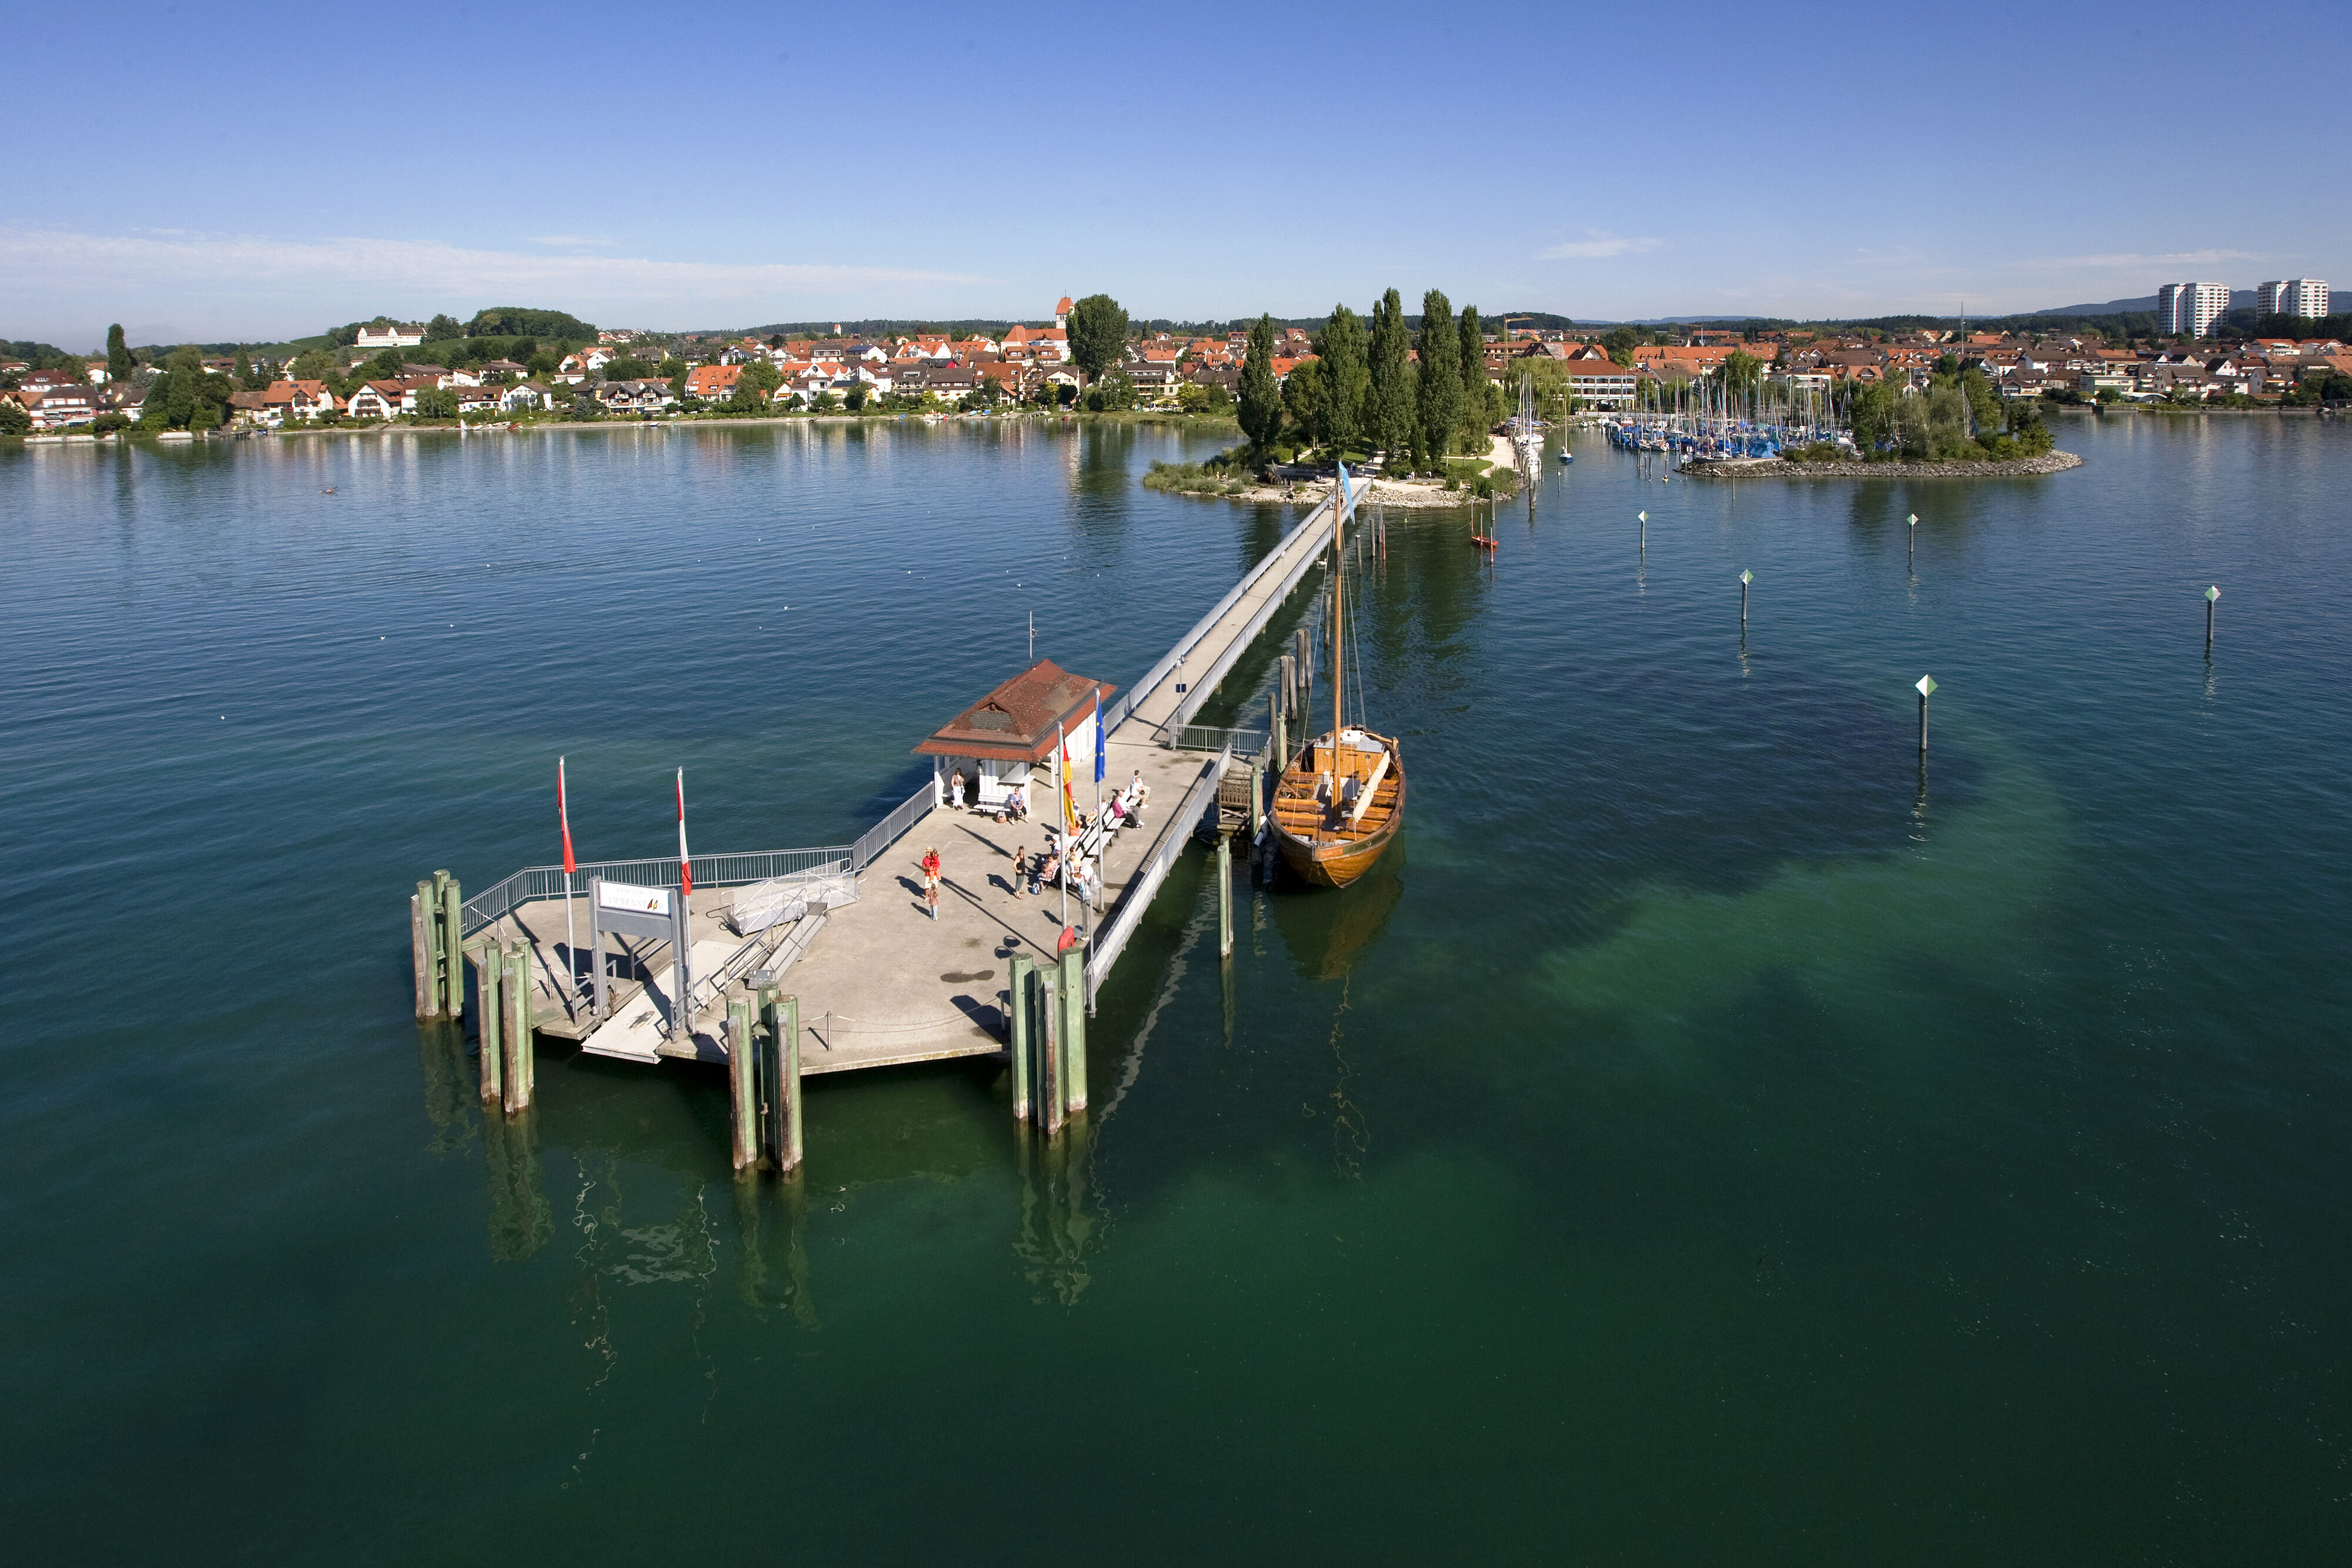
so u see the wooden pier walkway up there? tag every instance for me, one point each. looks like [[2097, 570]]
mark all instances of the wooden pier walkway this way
[[880, 983]]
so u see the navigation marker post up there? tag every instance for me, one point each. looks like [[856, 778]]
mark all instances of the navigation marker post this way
[[1911, 548], [1644, 518], [1745, 577], [2210, 595], [1927, 688]]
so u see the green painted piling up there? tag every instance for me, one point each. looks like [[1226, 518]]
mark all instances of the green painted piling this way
[[795, 1142], [514, 993], [485, 967], [1017, 1017], [420, 943], [1049, 1050], [1074, 1029], [1224, 876], [453, 918], [446, 974], [743, 1094]]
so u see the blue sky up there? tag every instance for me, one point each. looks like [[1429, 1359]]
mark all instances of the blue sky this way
[[233, 171]]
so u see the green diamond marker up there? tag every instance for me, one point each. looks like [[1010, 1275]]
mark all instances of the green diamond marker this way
[[1926, 685], [1643, 516], [1747, 577], [1915, 520], [2211, 594]]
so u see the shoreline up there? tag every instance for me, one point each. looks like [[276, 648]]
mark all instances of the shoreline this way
[[1780, 468]]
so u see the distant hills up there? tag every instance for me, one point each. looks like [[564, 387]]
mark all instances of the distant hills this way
[[2338, 299]]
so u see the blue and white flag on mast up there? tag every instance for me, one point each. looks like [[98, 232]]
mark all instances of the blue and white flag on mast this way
[[1346, 501], [1102, 750]]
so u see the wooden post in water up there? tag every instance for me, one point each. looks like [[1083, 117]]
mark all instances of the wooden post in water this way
[[486, 966], [1049, 1050], [1224, 876], [446, 959], [420, 943], [1074, 1031], [1927, 688], [788, 1020], [453, 917], [1018, 1011], [743, 1093], [2211, 594], [514, 994]]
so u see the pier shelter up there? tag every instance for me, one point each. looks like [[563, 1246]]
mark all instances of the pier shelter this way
[[1015, 736]]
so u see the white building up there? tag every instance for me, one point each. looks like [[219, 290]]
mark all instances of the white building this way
[[390, 337], [2293, 296], [2190, 309]]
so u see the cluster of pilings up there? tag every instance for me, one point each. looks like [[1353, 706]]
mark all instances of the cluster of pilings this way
[[1049, 1040], [763, 1077], [502, 985]]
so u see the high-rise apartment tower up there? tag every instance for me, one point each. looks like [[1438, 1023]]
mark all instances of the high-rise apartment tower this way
[[2190, 309], [2293, 296]]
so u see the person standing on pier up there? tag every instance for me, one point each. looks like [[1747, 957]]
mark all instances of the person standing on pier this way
[[931, 879], [955, 790], [1020, 869]]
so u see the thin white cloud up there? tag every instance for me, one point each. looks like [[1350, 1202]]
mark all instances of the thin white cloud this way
[[569, 241], [2175, 259], [1596, 247], [257, 285]]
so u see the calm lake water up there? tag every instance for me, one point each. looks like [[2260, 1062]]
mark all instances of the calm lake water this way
[[1705, 1140]]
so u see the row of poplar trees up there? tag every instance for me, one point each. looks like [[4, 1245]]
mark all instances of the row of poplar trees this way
[[1364, 392]]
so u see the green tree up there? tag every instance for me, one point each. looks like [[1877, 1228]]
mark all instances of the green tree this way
[[1098, 334], [1261, 399], [1303, 398], [855, 398], [1441, 376], [120, 365], [436, 403], [1389, 418], [441, 328], [1742, 370], [1347, 378], [14, 420], [1620, 343], [1475, 416]]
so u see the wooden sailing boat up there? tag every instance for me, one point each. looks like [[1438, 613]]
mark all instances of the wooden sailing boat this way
[[1341, 800]]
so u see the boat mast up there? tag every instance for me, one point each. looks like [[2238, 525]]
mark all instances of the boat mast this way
[[1338, 629]]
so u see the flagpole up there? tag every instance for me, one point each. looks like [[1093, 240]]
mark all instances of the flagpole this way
[[571, 942], [1062, 782]]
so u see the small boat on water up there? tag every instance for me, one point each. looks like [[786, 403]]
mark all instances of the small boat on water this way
[[1340, 800]]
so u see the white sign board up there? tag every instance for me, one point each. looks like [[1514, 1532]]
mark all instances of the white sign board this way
[[638, 900]]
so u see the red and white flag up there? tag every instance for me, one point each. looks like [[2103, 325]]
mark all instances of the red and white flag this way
[[563, 816], [685, 865]]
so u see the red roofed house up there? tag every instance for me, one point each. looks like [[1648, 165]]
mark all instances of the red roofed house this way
[[997, 741], [1061, 311], [712, 382]]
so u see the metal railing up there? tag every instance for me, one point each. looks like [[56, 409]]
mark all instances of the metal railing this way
[[1144, 885], [732, 869], [888, 831], [1118, 713], [1209, 737]]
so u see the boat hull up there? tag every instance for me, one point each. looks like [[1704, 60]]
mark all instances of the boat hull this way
[[1323, 859]]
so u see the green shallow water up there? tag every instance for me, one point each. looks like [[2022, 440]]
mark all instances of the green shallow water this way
[[1703, 1138]]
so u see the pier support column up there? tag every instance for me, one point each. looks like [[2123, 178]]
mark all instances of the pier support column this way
[[1017, 1013], [767, 1067], [1224, 874], [420, 944], [453, 927], [795, 1141], [486, 969], [743, 1093], [1049, 1050], [1074, 1031], [514, 988]]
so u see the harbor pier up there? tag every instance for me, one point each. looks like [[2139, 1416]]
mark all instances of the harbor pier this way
[[846, 932]]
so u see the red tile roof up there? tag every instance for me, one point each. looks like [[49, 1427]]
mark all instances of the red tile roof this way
[[1015, 723]]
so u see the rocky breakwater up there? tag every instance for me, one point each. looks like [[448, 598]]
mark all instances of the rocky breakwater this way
[[1780, 468]]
